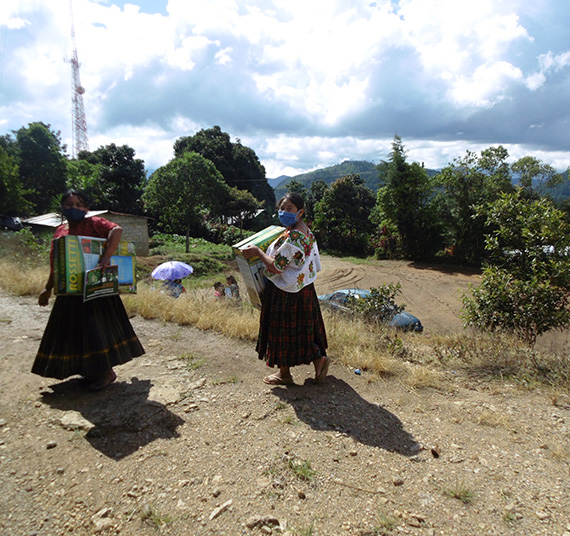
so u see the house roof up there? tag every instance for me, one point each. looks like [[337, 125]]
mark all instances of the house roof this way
[[53, 219]]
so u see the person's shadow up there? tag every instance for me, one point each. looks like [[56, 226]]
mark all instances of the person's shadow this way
[[123, 418], [335, 405]]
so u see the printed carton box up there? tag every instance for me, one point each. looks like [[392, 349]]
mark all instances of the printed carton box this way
[[252, 269], [75, 255]]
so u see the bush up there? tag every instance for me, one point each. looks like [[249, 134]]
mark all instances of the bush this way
[[380, 306]]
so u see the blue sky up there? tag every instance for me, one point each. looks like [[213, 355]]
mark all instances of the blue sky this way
[[304, 83]]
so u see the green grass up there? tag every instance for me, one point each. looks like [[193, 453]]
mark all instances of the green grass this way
[[460, 491], [154, 517], [301, 469], [193, 362]]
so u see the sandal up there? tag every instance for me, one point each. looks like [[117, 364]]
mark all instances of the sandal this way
[[276, 379], [321, 374], [103, 382]]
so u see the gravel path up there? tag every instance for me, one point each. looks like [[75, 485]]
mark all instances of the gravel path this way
[[189, 441]]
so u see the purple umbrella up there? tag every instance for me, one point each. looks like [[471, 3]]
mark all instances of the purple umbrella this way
[[172, 270]]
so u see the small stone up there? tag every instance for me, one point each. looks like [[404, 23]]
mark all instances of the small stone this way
[[261, 521], [398, 481], [51, 444], [542, 515], [216, 492], [301, 494], [220, 510]]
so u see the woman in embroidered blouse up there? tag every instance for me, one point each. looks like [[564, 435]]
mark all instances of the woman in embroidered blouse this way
[[86, 338], [291, 329]]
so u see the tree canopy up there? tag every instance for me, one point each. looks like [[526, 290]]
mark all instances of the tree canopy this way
[[238, 164], [42, 164], [115, 180], [183, 189]]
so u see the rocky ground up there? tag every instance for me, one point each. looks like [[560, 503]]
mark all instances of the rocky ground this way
[[190, 441]]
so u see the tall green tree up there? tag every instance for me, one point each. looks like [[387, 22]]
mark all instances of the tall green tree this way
[[179, 192], [12, 194], [342, 216], [237, 163], [42, 164], [403, 204], [525, 287], [120, 180], [466, 185]]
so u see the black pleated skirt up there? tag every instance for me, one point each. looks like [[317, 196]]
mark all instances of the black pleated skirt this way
[[86, 338], [291, 331]]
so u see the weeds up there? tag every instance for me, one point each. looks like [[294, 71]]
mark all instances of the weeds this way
[[193, 362], [154, 517], [230, 379], [301, 469], [385, 524], [461, 492]]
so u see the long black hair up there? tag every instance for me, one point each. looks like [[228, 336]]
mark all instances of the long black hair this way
[[294, 197]]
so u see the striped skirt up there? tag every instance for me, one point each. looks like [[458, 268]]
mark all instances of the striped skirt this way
[[86, 338], [291, 331]]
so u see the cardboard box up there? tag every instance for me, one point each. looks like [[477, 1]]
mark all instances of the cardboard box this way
[[252, 269], [74, 255]]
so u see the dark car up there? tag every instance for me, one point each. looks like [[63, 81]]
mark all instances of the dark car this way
[[337, 301], [10, 223]]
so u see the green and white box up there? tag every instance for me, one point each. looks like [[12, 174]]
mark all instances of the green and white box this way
[[252, 269]]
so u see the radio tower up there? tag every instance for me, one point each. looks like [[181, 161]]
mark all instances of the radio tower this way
[[78, 120]]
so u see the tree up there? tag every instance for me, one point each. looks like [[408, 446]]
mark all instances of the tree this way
[[525, 287], [238, 164], [42, 164], [180, 191], [240, 206], [403, 204], [342, 216], [120, 181], [316, 193], [535, 176], [12, 194], [82, 175], [465, 186]]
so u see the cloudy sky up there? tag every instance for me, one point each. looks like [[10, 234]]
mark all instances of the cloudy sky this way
[[304, 83]]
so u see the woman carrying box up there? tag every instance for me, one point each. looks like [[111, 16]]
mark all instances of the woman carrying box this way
[[291, 329], [87, 338]]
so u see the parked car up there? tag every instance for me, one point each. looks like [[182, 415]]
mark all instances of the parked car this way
[[338, 301]]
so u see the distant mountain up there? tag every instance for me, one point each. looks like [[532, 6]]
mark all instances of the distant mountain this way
[[368, 172], [276, 182]]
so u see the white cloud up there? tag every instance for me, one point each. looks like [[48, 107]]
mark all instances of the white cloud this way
[[309, 83]]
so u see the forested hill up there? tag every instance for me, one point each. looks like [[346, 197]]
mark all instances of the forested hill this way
[[367, 171]]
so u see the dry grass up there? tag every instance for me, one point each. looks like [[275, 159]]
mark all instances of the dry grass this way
[[419, 360], [29, 281]]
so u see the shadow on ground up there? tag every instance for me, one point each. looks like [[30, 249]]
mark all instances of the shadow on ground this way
[[335, 405], [123, 417]]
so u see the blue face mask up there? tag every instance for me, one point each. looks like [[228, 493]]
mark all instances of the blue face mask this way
[[287, 219], [73, 215]]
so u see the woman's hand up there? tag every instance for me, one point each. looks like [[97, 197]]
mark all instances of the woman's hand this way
[[43, 298], [250, 251]]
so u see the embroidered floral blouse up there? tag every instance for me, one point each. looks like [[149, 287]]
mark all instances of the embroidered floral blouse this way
[[297, 258]]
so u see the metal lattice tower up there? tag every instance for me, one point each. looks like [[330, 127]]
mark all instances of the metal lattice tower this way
[[78, 119]]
